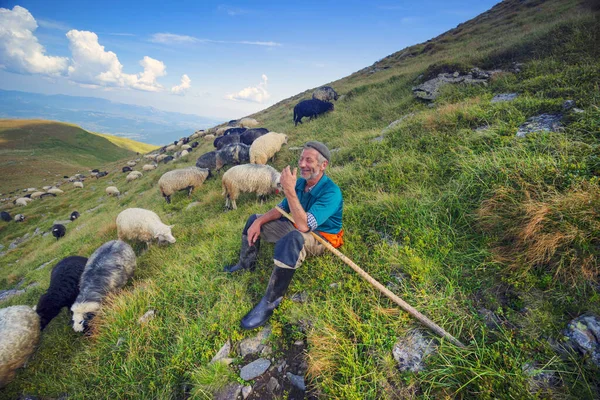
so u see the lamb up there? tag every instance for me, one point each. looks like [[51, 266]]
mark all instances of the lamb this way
[[325, 93], [58, 231], [112, 191], [248, 123], [149, 167], [78, 185], [181, 179], [126, 169], [143, 225], [107, 270], [36, 195], [266, 146], [251, 135], [249, 178], [19, 218], [5, 216], [19, 336], [310, 108], [74, 216], [22, 201], [223, 141], [133, 175], [63, 289], [55, 191], [131, 163]]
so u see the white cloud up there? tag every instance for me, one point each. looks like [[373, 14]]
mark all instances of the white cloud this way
[[185, 84], [255, 94], [232, 11], [20, 50], [172, 38], [51, 24], [92, 64]]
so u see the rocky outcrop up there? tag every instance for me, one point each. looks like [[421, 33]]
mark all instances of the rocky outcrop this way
[[430, 89]]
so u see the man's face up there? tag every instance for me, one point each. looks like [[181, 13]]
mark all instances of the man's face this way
[[310, 168]]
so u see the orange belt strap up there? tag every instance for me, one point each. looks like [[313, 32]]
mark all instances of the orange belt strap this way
[[336, 239]]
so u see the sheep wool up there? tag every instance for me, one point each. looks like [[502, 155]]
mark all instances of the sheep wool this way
[[78, 185], [107, 270], [220, 131], [186, 147], [249, 178], [171, 147], [22, 201], [112, 191], [148, 167], [180, 179], [138, 224], [161, 157], [266, 146], [36, 195], [209, 137], [131, 163], [19, 336], [248, 123], [133, 175], [55, 191]]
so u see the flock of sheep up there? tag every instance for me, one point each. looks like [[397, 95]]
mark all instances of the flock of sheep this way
[[81, 283]]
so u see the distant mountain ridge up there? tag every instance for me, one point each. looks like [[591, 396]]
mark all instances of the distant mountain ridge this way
[[144, 124]]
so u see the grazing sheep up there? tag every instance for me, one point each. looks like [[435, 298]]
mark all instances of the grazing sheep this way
[[78, 185], [195, 135], [55, 191], [168, 158], [180, 143], [185, 140], [131, 163], [126, 169], [234, 131], [74, 216], [133, 175], [19, 218], [30, 190], [5, 216], [58, 231], [194, 145], [235, 154], [310, 108], [161, 157], [251, 135], [171, 147], [94, 174], [47, 187], [325, 93], [47, 195], [186, 147], [223, 141], [107, 270], [248, 123], [149, 167], [266, 146], [19, 336], [220, 131], [112, 191], [232, 122], [209, 137], [22, 201], [213, 160], [63, 289], [143, 225], [249, 178], [181, 179], [36, 195], [180, 154], [101, 174]]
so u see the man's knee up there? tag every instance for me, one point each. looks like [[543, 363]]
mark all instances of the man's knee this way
[[250, 221], [288, 248]]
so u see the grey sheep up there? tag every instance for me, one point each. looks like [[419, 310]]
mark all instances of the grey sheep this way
[[107, 270], [325, 93]]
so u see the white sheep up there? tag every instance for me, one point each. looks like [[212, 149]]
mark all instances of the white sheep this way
[[112, 191], [209, 137], [180, 143], [266, 146], [78, 185], [22, 201], [131, 163], [221, 131], [149, 167], [31, 190], [181, 179], [46, 187], [133, 175], [161, 157], [19, 336], [55, 191], [249, 178], [171, 148], [186, 147], [36, 195], [143, 225], [248, 123], [195, 136]]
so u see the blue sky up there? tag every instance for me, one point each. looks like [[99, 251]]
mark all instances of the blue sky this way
[[215, 59]]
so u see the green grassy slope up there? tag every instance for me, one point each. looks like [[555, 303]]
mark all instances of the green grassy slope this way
[[454, 219], [32, 150], [128, 144]]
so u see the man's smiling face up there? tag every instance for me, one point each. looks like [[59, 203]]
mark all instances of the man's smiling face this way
[[312, 164]]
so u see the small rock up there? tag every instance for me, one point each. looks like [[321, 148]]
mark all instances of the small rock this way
[[568, 104], [377, 139], [297, 381], [578, 110], [266, 351], [539, 379], [222, 353], [45, 264], [147, 316], [7, 294], [334, 285], [499, 98], [192, 205], [300, 297], [299, 343], [37, 231], [13, 245], [393, 124], [254, 369], [281, 365], [543, 122], [491, 320], [45, 234], [229, 392], [410, 351], [246, 391], [255, 344], [273, 384], [583, 334]]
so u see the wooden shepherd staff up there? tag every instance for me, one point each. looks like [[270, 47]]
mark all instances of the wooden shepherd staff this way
[[404, 305]]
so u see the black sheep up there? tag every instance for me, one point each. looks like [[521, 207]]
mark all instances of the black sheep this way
[[234, 131], [95, 170], [223, 141], [186, 140], [233, 122], [74, 216], [58, 231], [175, 142], [167, 159], [63, 289], [46, 195], [310, 108], [5, 216], [234, 154], [252, 134], [194, 145], [101, 174], [126, 169]]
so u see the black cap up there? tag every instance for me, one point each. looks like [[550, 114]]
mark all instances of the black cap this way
[[320, 147]]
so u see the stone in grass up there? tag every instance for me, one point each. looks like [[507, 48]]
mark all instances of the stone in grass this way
[[246, 391], [254, 369], [540, 380], [147, 317], [411, 351], [229, 392], [273, 384], [222, 353], [301, 297], [254, 344], [499, 98], [192, 205], [297, 381], [543, 122], [583, 335]]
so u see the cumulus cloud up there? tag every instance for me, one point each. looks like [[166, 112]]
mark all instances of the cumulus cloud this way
[[183, 86], [92, 64], [20, 50], [255, 94]]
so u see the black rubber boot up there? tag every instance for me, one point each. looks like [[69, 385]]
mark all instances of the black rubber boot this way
[[248, 255], [278, 284]]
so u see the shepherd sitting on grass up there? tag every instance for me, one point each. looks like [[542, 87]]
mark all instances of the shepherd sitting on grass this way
[[315, 203]]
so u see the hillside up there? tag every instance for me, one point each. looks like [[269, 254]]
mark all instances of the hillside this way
[[491, 235], [36, 151], [128, 144]]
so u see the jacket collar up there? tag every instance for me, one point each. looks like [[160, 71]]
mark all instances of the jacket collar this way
[[317, 188]]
